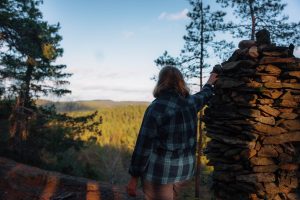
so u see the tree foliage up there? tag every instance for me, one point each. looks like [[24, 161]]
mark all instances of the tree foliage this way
[[200, 38], [167, 59], [200, 41], [200, 44], [254, 15], [29, 49]]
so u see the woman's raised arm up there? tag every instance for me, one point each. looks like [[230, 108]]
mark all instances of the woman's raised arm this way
[[201, 98]]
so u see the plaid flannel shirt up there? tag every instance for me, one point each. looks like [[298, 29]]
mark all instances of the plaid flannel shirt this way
[[166, 144]]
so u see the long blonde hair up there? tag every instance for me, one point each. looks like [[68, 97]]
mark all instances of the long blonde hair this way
[[170, 78]]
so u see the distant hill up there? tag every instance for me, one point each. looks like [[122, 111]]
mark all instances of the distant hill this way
[[88, 105]]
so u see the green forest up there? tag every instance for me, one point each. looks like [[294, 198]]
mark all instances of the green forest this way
[[90, 139], [104, 156], [101, 155]]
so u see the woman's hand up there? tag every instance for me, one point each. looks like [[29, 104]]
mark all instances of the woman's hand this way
[[132, 186], [212, 79]]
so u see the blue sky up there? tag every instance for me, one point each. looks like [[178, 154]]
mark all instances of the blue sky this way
[[110, 45]]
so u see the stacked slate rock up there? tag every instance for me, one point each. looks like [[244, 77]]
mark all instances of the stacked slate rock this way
[[254, 125]]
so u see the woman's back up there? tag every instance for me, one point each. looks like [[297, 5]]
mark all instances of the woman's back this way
[[170, 126], [164, 154], [177, 120]]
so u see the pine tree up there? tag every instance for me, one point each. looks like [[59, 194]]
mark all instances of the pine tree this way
[[29, 48], [30, 53], [200, 44], [254, 15], [200, 39], [166, 60]]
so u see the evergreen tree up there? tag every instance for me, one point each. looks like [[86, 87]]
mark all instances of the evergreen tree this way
[[2, 89], [28, 54], [199, 45], [166, 60], [254, 15], [199, 42], [29, 48], [200, 39]]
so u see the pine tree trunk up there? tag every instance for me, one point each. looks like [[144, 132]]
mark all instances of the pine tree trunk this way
[[27, 81], [252, 19], [18, 129], [200, 142], [19, 121]]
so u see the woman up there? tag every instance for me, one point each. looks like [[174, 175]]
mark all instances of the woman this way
[[164, 155]]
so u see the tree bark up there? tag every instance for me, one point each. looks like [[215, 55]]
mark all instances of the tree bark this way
[[27, 81], [253, 19], [19, 121], [200, 131]]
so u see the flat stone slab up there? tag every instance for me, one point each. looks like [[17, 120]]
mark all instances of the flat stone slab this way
[[283, 138], [271, 60], [22, 182]]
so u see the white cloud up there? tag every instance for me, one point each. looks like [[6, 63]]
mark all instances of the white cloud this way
[[128, 34], [120, 88], [174, 16], [109, 83]]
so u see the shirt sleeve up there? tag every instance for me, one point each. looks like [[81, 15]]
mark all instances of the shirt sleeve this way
[[200, 99], [144, 144]]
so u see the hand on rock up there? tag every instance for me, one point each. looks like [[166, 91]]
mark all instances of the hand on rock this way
[[212, 79]]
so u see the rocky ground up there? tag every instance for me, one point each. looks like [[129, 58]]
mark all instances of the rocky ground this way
[[22, 182]]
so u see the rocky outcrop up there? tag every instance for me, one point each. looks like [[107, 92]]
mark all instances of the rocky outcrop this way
[[254, 125], [22, 182]]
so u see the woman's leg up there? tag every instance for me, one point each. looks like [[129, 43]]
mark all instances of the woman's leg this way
[[177, 189], [170, 191], [154, 191]]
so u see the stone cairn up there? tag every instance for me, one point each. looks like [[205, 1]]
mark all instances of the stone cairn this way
[[254, 125]]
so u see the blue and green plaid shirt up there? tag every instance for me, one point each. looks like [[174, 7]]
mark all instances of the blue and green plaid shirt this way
[[166, 144]]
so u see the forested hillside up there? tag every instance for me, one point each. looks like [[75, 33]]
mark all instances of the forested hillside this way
[[89, 105], [103, 155], [108, 155]]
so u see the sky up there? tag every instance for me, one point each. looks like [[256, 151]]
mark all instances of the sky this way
[[110, 45]]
